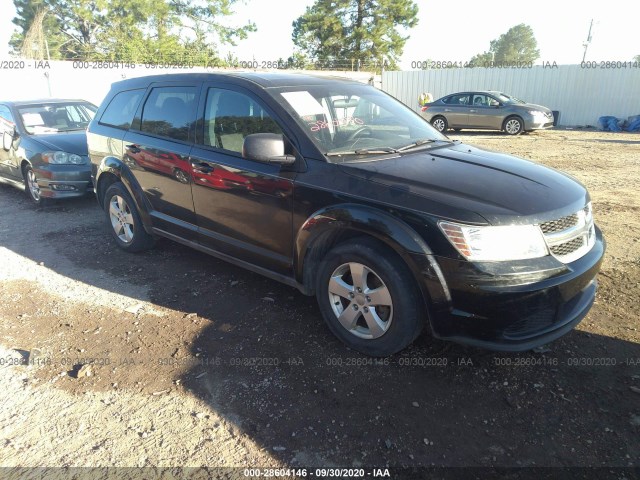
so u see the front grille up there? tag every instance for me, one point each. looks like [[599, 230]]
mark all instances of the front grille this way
[[568, 247], [570, 237], [560, 224]]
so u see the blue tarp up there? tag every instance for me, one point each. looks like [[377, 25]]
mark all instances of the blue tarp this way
[[609, 124], [613, 124], [633, 124]]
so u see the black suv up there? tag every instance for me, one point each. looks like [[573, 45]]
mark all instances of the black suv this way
[[338, 189]]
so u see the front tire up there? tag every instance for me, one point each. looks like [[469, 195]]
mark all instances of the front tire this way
[[31, 186], [513, 125], [123, 218], [369, 298]]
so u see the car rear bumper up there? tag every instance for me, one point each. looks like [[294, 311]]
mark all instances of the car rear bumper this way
[[64, 181], [507, 306]]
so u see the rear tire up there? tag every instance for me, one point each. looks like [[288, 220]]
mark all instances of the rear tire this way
[[440, 124], [369, 298], [124, 221]]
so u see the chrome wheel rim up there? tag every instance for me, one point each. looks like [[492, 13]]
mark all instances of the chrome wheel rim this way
[[439, 124], [513, 126], [360, 300], [121, 218], [181, 176], [34, 188]]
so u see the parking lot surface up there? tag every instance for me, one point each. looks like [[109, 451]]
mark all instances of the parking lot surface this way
[[192, 361]]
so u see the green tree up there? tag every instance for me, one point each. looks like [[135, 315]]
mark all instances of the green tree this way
[[335, 33], [134, 30], [517, 45], [27, 11], [298, 61]]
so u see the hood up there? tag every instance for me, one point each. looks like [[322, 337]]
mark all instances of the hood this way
[[532, 106], [501, 188], [71, 142]]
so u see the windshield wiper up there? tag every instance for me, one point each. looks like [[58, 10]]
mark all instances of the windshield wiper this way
[[364, 151], [415, 144]]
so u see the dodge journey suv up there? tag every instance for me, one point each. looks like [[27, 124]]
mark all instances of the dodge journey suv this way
[[339, 190]]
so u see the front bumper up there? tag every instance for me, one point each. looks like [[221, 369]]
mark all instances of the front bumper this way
[[513, 306], [537, 123], [63, 181]]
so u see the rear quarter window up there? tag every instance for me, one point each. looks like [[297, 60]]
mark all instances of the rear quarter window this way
[[170, 112], [120, 111], [456, 100]]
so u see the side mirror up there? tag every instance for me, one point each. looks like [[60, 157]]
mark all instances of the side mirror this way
[[494, 104], [8, 136], [266, 147]]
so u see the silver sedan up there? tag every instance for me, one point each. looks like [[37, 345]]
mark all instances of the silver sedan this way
[[489, 110]]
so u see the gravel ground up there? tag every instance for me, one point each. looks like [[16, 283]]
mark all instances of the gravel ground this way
[[194, 362]]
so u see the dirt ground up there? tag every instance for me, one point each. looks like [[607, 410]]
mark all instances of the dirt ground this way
[[194, 362]]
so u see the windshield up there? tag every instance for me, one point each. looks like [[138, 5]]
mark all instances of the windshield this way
[[346, 119], [56, 117]]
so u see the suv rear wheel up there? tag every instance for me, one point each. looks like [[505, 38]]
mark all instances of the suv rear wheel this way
[[124, 220], [369, 298]]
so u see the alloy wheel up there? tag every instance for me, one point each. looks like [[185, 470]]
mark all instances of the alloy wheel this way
[[513, 126], [121, 218], [439, 125], [360, 300], [32, 183]]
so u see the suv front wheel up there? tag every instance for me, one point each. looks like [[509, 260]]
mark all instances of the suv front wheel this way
[[369, 298]]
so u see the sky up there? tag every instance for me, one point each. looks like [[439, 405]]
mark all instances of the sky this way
[[448, 31]]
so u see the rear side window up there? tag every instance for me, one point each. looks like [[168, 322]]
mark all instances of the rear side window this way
[[170, 112], [121, 109], [457, 100]]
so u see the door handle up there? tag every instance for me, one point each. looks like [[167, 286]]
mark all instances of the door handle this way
[[473, 110], [133, 148], [447, 110], [201, 167]]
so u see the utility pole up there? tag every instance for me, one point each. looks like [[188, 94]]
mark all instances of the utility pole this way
[[586, 44]]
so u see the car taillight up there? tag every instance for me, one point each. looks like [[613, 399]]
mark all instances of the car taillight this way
[[423, 108]]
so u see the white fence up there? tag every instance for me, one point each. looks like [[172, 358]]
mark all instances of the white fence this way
[[29, 79], [581, 95]]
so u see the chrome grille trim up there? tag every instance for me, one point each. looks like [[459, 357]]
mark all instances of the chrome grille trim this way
[[570, 237]]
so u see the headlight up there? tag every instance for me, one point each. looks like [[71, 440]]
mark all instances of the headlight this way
[[63, 158], [537, 113], [588, 213], [489, 243]]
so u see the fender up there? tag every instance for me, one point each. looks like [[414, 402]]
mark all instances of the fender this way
[[385, 227], [118, 168]]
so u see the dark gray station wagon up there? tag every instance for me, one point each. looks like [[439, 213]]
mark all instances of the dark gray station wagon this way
[[44, 147], [339, 190]]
